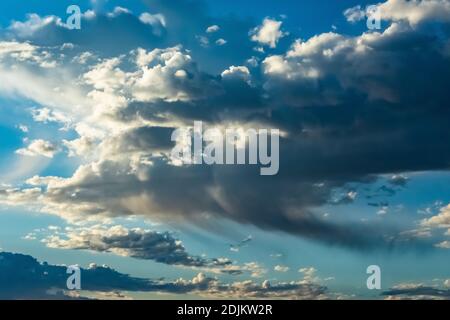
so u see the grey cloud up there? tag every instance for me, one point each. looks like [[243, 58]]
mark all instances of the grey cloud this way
[[417, 292], [137, 243], [218, 192], [145, 138], [339, 125]]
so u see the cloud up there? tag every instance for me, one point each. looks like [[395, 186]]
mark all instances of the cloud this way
[[416, 292], [13, 52], [413, 12], [26, 72], [173, 77], [140, 244], [19, 50], [309, 274], [33, 24], [354, 14], [160, 247], [286, 290], [427, 227], [221, 42], [166, 24], [135, 243], [443, 245], [347, 198], [79, 147], [441, 220], [297, 290], [51, 30], [280, 268], [328, 94], [241, 72], [46, 115], [118, 11], [161, 74], [23, 277], [155, 20], [317, 63], [416, 11], [399, 180], [23, 128], [269, 33], [39, 148], [212, 29]]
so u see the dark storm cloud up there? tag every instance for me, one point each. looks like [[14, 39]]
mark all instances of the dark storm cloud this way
[[358, 134], [338, 144], [384, 110]]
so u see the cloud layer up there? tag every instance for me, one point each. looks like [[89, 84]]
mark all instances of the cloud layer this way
[[338, 100], [23, 277]]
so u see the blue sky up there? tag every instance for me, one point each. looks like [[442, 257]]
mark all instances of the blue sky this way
[[85, 172]]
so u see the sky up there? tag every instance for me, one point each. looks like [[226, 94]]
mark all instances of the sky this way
[[87, 176]]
